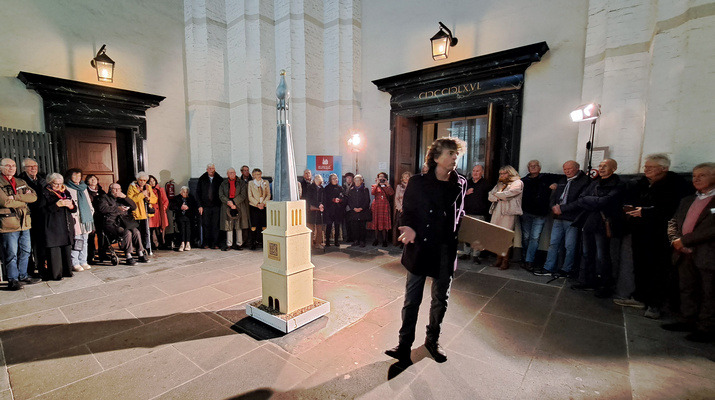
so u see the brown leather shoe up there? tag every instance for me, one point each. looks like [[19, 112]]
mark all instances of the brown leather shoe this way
[[498, 262], [504, 263]]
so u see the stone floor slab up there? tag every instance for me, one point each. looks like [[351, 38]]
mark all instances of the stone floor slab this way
[[142, 378], [522, 306], [483, 285]]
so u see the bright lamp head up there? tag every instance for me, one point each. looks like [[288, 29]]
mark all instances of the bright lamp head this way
[[586, 112]]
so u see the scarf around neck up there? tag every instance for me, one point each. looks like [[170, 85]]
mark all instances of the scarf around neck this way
[[85, 213]]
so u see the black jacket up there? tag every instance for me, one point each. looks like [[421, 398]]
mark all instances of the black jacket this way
[[428, 210], [603, 198], [314, 198], [359, 198], [570, 210], [478, 202], [59, 222], [658, 201], [183, 215], [536, 195], [115, 221], [334, 211], [207, 190]]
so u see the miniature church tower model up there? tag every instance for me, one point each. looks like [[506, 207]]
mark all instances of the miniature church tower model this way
[[286, 273]]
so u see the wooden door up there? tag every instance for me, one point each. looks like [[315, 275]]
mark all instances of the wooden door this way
[[95, 152], [404, 152]]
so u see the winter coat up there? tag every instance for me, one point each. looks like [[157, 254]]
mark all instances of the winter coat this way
[[159, 219], [506, 205], [207, 190], [433, 208], [536, 195], [78, 228], [258, 194], [314, 199], [137, 195], [241, 202], [334, 201], [15, 213], [184, 215], [114, 220], [602, 199], [570, 209], [702, 239], [59, 222], [477, 203], [359, 197]]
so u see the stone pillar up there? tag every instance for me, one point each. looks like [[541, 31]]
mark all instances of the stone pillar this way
[[647, 63], [234, 49]]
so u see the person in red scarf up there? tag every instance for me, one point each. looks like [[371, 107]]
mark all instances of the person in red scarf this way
[[158, 222], [233, 193], [15, 242], [59, 227]]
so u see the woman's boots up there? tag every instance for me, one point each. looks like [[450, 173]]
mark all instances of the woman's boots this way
[[502, 262]]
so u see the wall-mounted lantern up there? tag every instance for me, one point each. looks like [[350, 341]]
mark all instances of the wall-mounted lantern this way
[[441, 42], [104, 65]]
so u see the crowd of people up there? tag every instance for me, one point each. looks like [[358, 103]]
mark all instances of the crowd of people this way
[[647, 242]]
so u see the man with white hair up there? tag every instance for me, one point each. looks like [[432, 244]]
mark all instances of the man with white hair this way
[[692, 234], [650, 203], [305, 183], [15, 223], [209, 206]]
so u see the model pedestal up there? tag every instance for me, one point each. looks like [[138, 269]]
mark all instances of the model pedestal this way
[[287, 273]]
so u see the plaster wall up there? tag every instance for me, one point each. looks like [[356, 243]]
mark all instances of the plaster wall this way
[[649, 63], [59, 37], [235, 50], [396, 40]]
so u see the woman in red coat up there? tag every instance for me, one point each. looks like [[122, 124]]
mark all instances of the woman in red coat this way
[[158, 222], [381, 222]]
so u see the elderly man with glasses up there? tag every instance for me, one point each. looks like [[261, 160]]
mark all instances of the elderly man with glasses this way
[[15, 224]]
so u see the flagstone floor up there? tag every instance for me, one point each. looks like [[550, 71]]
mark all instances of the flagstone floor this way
[[176, 329]]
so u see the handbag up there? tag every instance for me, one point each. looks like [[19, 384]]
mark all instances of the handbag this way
[[149, 208]]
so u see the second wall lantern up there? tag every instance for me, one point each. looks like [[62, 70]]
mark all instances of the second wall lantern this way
[[441, 42]]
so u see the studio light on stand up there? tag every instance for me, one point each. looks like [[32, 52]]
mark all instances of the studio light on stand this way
[[104, 65], [588, 112], [441, 42], [355, 144]]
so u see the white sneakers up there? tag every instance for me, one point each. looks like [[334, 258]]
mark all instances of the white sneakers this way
[[181, 248], [188, 246], [78, 268], [185, 246], [86, 266]]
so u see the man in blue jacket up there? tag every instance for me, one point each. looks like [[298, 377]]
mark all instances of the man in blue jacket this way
[[432, 207]]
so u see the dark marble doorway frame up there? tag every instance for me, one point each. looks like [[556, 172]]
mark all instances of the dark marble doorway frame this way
[[72, 103], [493, 82]]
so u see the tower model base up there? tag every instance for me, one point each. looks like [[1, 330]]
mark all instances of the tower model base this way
[[288, 322]]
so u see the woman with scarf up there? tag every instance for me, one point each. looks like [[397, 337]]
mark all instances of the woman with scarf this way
[[259, 192], [59, 227], [159, 221], [83, 219], [185, 210], [95, 190], [334, 208], [359, 210], [506, 204]]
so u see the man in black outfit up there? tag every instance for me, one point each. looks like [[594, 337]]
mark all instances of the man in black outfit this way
[[602, 221], [209, 206], [36, 180], [117, 220], [432, 207], [476, 204]]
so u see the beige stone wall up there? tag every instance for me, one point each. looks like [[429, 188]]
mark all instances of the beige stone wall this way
[[650, 64], [234, 53], [59, 37]]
